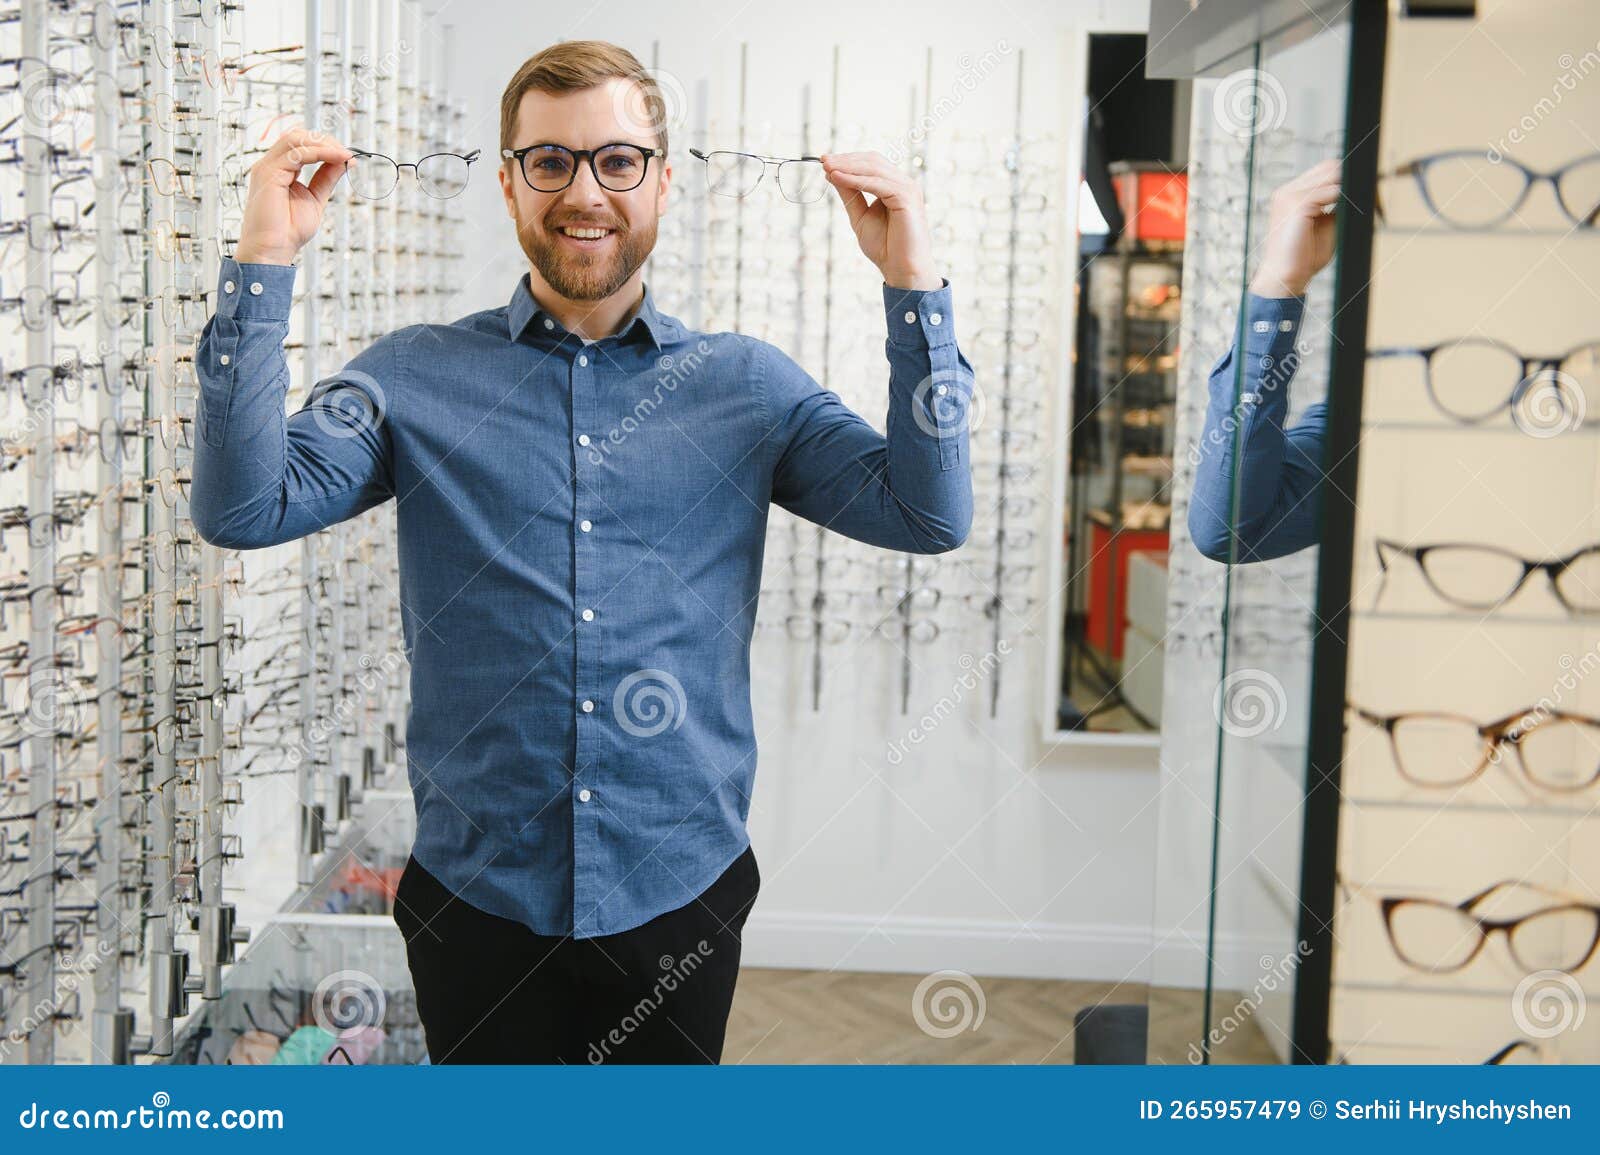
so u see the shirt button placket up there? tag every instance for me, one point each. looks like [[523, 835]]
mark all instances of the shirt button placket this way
[[587, 888]]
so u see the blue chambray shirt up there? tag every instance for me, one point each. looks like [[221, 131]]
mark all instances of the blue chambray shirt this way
[[1279, 509], [581, 530]]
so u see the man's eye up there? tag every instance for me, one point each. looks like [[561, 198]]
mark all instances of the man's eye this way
[[620, 163], [549, 164]]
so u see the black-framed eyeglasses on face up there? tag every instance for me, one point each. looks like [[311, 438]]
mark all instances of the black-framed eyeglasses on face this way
[[549, 168], [441, 175], [801, 179]]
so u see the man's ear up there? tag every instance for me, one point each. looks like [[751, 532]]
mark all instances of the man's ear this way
[[507, 191]]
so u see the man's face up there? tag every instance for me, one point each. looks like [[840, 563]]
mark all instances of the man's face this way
[[583, 269]]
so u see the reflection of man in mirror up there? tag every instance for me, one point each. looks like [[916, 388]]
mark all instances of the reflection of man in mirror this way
[[1279, 470]]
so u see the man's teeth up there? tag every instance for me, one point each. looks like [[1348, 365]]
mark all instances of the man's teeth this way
[[586, 234]]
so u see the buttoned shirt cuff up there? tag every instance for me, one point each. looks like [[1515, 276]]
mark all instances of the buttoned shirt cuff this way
[[1272, 324], [920, 318], [254, 292]]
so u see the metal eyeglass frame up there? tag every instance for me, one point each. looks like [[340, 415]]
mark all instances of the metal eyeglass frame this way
[[775, 161], [578, 156], [469, 157]]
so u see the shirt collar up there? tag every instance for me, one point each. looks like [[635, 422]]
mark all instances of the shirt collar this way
[[523, 311]]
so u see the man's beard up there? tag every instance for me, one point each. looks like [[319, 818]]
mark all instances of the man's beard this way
[[583, 276]]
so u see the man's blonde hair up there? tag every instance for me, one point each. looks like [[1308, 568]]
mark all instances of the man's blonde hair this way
[[575, 65]]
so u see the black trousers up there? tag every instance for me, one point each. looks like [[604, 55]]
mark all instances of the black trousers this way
[[489, 990]]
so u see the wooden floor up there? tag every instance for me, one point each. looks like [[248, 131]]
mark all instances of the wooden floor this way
[[796, 1016]]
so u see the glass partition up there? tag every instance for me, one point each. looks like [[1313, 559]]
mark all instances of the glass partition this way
[[1261, 265]]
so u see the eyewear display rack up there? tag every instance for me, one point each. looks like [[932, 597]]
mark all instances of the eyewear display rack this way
[[157, 686], [786, 270]]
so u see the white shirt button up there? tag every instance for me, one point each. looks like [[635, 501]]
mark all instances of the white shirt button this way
[[1262, 326], [911, 316], [582, 360], [228, 286], [934, 318], [585, 525], [255, 288], [588, 615], [588, 706], [1286, 326], [942, 390], [225, 358], [583, 439], [549, 324], [584, 796]]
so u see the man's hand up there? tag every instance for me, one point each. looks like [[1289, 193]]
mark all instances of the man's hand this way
[[280, 213], [1300, 232], [892, 230]]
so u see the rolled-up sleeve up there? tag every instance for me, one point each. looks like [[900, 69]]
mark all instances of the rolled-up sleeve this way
[[909, 490]]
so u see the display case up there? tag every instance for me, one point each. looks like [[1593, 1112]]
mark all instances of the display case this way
[[1380, 741]]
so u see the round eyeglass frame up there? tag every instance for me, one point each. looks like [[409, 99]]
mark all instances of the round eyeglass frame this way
[[579, 155]]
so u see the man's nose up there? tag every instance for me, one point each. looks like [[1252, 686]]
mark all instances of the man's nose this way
[[585, 190]]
